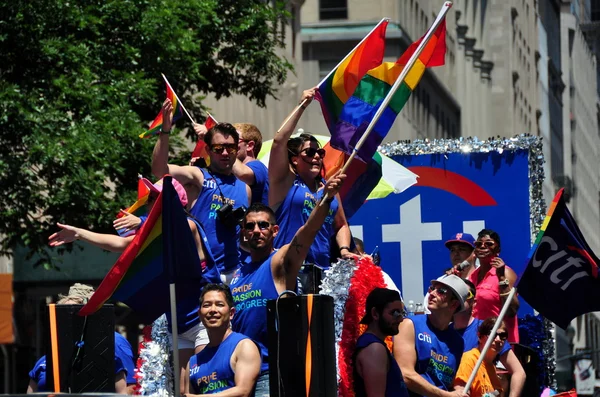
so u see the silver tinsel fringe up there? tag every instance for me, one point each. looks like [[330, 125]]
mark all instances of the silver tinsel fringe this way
[[156, 371], [336, 283], [537, 205]]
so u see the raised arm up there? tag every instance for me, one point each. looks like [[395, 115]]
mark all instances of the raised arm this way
[[280, 173], [287, 261], [109, 242], [516, 371], [160, 155], [505, 273], [243, 173], [343, 235]]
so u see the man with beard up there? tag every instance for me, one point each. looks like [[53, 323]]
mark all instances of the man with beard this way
[[230, 363], [383, 314], [271, 272], [221, 194]]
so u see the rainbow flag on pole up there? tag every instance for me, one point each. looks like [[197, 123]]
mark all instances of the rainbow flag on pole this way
[[200, 151], [154, 128], [163, 252], [341, 82], [374, 87]]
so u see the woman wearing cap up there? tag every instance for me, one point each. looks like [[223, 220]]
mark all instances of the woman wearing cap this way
[[493, 281], [296, 186], [486, 381]]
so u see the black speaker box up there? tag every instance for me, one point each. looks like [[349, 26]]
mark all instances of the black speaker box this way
[[86, 349], [302, 347]]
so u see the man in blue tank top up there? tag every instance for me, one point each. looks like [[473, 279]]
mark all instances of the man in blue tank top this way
[[221, 194], [247, 167], [230, 361], [467, 325], [271, 271], [426, 349], [383, 314]]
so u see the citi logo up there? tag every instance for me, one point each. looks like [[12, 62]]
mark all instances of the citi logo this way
[[424, 337]]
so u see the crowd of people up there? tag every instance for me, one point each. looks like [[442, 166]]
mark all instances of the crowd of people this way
[[255, 227]]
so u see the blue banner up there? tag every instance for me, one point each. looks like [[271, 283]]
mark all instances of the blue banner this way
[[455, 193]]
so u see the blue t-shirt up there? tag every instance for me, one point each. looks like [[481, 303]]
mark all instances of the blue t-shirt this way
[[223, 240], [394, 386], [260, 188], [210, 370], [294, 212], [252, 285], [123, 362], [438, 352], [471, 339]]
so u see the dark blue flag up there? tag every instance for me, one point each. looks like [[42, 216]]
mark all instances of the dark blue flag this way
[[561, 277]]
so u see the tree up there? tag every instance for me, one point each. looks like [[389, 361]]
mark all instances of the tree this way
[[80, 80]]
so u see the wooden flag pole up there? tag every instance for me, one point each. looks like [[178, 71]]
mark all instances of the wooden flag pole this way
[[178, 100], [490, 340], [329, 74], [445, 8]]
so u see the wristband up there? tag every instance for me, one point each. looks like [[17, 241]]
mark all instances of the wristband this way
[[164, 132], [344, 248], [503, 283]]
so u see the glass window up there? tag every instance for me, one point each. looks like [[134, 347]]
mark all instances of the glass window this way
[[333, 9]]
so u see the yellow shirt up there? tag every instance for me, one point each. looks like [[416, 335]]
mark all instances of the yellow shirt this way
[[485, 381]]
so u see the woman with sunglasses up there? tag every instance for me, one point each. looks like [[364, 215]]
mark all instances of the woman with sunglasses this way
[[493, 281], [296, 186], [486, 380]]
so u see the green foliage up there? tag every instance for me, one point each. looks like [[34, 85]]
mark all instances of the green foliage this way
[[80, 79]]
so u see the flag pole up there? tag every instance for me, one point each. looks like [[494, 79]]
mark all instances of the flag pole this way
[[438, 20], [174, 332], [178, 100], [491, 338], [330, 72]]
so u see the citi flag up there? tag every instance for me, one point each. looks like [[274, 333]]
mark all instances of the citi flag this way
[[561, 278]]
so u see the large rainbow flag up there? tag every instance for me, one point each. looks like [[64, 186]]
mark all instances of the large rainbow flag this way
[[177, 113], [163, 252], [374, 87], [561, 278], [334, 91]]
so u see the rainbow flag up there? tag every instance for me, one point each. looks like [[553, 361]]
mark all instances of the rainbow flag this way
[[138, 208], [374, 87], [561, 278], [154, 128], [200, 151], [335, 90], [162, 252]]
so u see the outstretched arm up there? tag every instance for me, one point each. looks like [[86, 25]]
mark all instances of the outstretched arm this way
[[109, 242], [288, 260]]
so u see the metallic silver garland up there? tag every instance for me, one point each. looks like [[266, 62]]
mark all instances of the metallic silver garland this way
[[156, 371], [537, 205], [336, 283]]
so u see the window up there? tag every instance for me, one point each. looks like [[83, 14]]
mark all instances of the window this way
[[325, 67], [333, 9]]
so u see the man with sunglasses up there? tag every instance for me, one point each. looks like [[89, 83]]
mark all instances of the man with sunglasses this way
[[466, 325], [221, 194], [383, 314], [428, 351], [271, 272]]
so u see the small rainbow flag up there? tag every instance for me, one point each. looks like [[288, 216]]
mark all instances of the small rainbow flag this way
[[162, 252], [335, 90], [374, 87], [138, 208], [156, 125], [201, 151]]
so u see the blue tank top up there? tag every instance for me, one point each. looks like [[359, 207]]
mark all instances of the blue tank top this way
[[210, 370], [438, 352], [395, 386], [294, 212], [260, 188], [252, 285], [223, 240], [471, 338]]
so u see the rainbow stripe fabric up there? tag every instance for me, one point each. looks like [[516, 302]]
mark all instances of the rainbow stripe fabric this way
[[335, 91], [360, 109], [154, 128], [162, 252], [138, 208], [201, 151]]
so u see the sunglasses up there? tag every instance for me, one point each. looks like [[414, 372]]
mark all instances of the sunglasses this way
[[398, 313], [440, 290], [311, 151], [502, 335], [481, 244], [231, 148], [262, 225]]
